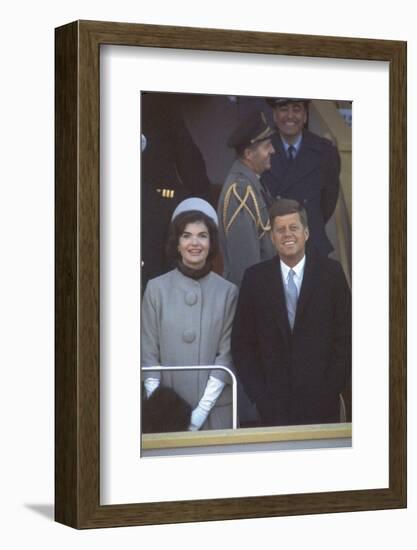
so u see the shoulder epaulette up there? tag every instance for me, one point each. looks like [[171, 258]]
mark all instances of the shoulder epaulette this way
[[242, 204]]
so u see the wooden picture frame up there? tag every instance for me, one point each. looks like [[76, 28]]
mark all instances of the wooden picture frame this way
[[77, 372]]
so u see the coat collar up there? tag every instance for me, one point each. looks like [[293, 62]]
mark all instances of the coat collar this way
[[306, 161], [239, 168], [185, 283], [308, 284], [277, 295]]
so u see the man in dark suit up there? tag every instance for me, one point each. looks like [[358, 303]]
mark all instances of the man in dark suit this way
[[305, 167], [291, 338]]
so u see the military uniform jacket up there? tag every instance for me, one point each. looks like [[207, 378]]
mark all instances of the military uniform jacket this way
[[294, 377], [243, 222], [188, 322], [312, 179]]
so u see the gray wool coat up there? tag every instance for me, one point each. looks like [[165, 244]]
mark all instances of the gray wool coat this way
[[188, 322]]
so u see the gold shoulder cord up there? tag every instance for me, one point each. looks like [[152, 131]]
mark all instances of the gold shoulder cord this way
[[243, 204]]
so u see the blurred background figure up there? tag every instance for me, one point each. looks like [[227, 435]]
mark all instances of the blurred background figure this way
[[172, 168]]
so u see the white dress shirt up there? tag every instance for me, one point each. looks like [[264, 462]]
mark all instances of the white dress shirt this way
[[296, 145], [298, 270]]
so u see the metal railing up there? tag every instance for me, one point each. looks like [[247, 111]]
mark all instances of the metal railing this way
[[210, 368]]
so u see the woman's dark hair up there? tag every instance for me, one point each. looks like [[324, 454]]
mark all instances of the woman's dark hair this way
[[177, 227]]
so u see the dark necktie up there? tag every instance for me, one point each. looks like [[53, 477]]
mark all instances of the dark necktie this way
[[291, 153]]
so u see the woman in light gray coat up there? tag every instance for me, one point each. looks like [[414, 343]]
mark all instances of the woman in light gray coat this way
[[187, 317]]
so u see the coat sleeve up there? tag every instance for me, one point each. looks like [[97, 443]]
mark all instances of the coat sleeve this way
[[339, 372], [240, 217], [224, 354], [245, 353], [150, 332], [331, 181]]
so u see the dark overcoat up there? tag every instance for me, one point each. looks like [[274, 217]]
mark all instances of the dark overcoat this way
[[294, 377], [312, 179]]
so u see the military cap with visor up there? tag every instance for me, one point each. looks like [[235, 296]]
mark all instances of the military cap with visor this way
[[251, 130], [281, 101]]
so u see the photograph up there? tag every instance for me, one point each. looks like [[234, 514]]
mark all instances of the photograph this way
[[215, 299], [208, 275], [246, 276]]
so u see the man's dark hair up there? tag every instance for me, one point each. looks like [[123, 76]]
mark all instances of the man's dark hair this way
[[177, 227], [304, 102], [240, 150], [283, 207]]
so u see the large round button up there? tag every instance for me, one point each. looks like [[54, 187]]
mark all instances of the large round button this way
[[188, 336], [191, 298]]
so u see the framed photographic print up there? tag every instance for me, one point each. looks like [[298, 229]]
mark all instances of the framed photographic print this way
[[109, 77]]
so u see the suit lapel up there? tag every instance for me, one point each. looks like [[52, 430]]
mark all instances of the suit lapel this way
[[277, 296], [307, 286], [305, 162]]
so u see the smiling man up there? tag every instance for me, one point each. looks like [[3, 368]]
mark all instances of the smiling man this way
[[305, 167], [243, 210], [291, 337]]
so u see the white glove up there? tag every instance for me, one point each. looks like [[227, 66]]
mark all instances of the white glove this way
[[150, 385], [199, 415]]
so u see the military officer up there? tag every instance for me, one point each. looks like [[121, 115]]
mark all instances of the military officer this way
[[243, 217], [243, 203], [305, 167]]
